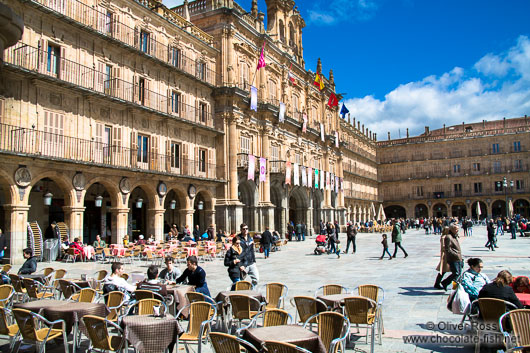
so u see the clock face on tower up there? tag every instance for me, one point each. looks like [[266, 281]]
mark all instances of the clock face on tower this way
[[192, 191]]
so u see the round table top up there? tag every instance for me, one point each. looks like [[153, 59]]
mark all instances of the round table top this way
[[293, 334], [39, 304], [335, 297], [524, 298]]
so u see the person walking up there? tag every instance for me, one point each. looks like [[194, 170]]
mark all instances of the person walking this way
[[453, 254], [396, 239], [469, 227], [298, 231], [443, 266], [234, 260], [249, 256], [385, 248], [513, 228], [351, 233], [266, 240], [491, 235], [500, 226]]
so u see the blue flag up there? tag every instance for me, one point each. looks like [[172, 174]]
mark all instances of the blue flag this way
[[344, 111]]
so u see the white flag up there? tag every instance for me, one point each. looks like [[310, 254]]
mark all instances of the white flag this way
[[304, 177], [296, 174], [310, 177], [322, 177], [322, 132], [251, 166], [282, 113], [262, 169]]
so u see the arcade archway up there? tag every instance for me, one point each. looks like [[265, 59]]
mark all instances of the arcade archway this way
[[439, 210], [459, 210], [138, 206], [298, 205], [395, 211], [247, 194], [498, 209], [522, 207], [421, 211]]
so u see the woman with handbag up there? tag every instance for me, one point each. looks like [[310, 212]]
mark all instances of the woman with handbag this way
[[473, 279], [235, 261]]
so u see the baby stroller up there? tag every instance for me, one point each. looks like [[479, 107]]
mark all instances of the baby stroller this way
[[321, 245]]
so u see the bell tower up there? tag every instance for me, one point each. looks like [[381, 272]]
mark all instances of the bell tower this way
[[285, 25]]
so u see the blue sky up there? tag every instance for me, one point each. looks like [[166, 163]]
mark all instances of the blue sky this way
[[412, 63]]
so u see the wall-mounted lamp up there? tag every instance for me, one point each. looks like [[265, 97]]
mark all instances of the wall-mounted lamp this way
[[139, 202], [173, 204]]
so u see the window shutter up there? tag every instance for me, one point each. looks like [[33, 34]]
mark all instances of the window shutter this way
[[185, 159], [101, 20], [137, 35], [154, 153], [152, 44], [197, 161], [168, 155], [42, 55], [100, 77], [211, 168], [134, 148], [116, 25], [116, 145], [62, 58], [136, 90], [147, 93]]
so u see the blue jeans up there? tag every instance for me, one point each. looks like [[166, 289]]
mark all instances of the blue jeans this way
[[266, 250], [499, 230], [469, 232], [303, 236], [456, 270], [385, 251]]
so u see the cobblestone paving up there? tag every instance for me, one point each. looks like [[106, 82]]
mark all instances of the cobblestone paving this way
[[411, 303]]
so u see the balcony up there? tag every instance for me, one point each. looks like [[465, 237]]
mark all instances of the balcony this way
[[37, 61], [242, 160], [92, 19], [40, 144], [277, 167]]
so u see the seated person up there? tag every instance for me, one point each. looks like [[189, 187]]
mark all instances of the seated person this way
[[521, 284], [119, 282], [125, 240], [195, 275], [220, 236], [188, 237], [500, 289], [152, 282], [99, 243], [473, 279], [151, 239], [78, 249], [141, 240], [275, 236], [171, 272], [30, 266]]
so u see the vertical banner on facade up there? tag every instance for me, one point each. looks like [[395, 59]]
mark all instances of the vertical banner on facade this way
[[322, 132], [332, 182], [316, 179], [322, 183], [253, 98], [337, 139], [304, 123], [304, 176], [342, 184], [288, 173], [262, 169], [296, 174], [281, 115], [251, 166], [327, 180], [309, 177], [336, 185]]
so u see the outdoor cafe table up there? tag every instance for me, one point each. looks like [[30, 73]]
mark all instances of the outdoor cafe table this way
[[293, 334], [88, 252], [149, 334], [192, 251], [70, 312], [334, 301], [179, 294], [524, 298], [223, 298], [37, 277]]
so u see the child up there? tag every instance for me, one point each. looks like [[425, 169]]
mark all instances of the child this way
[[385, 248]]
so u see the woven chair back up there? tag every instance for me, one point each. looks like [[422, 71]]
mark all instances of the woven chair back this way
[[275, 317], [273, 295]]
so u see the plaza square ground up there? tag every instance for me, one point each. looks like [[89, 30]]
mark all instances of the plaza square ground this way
[[411, 303]]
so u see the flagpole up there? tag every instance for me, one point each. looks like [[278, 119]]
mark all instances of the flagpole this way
[[257, 66]]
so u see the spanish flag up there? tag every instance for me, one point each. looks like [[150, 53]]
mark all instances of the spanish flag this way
[[318, 82]]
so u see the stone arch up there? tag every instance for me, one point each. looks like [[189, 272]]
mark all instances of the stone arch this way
[[62, 181], [498, 208], [439, 210], [317, 200], [248, 195], [298, 205], [110, 186], [522, 207], [139, 221], [395, 211], [459, 210], [202, 214], [279, 201], [421, 211], [176, 215], [150, 192], [8, 188]]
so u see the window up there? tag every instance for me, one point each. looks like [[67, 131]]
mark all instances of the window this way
[[54, 58], [457, 189], [275, 153], [419, 190], [518, 164], [519, 184], [108, 24], [108, 79], [498, 185], [478, 188], [144, 41], [244, 143], [495, 148], [141, 90], [175, 57], [175, 155], [517, 146], [456, 168], [143, 148], [497, 167], [476, 167], [298, 158], [296, 105], [203, 112], [243, 76], [175, 102], [53, 133], [201, 70], [272, 91], [202, 160]]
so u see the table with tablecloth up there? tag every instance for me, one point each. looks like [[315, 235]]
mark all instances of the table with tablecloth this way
[[192, 251], [524, 298], [149, 334], [179, 294], [117, 249], [335, 301], [293, 334], [88, 252]]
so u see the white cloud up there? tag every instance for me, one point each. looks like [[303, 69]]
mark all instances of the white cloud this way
[[497, 86], [334, 11]]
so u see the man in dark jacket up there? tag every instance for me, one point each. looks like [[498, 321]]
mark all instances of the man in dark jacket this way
[[453, 254], [247, 243], [3, 246], [351, 233], [491, 235], [266, 240], [298, 231], [211, 232], [30, 266], [197, 233]]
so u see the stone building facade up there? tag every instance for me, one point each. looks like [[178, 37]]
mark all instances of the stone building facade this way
[[470, 170], [121, 117]]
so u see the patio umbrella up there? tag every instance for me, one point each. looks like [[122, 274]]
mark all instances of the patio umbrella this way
[[510, 208], [478, 210], [382, 215], [373, 210]]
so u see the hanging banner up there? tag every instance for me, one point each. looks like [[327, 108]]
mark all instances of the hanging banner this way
[[262, 169], [316, 179], [336, 185], [251, 166], [322, 132], [332, 182], [337, 139], [288, 173], [282, 113], [327, 181], [304, 176], [342, 184], [253, 98], [304, 124], [309, 177], [322, 183], [296, 174]]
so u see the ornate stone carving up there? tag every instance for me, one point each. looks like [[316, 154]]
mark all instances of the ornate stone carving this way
[[79, 181], [22, 177]]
